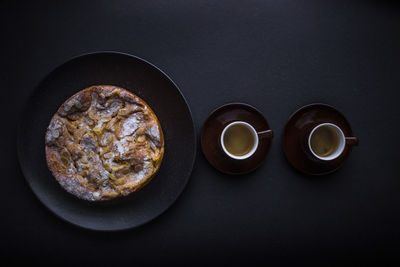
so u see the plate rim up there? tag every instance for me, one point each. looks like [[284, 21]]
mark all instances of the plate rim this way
[[20, 129]]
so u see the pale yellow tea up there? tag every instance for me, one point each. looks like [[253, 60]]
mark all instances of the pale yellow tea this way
[[238, 140], [324, 141]]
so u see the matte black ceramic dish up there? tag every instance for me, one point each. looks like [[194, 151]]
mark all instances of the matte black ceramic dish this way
[[213, 127], [299, 127], [144, 80]]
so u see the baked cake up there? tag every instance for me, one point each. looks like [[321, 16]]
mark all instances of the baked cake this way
[[104, 142]]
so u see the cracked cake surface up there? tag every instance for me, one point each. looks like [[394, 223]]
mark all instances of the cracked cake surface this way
[[104, 142]]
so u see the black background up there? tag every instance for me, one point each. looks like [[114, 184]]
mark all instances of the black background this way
[[275, 55]]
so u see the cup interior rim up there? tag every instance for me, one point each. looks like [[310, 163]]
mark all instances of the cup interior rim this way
[[254, 134], [339, 149]]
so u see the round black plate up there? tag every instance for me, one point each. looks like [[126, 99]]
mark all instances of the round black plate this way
[[144, 80]]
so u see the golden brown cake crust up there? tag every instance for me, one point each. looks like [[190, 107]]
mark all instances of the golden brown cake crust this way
[[104, 142]]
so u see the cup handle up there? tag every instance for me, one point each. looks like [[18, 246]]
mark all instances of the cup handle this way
[[267, 134], [353, 141]]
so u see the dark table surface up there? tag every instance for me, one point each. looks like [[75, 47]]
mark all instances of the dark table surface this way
[[274, 55]]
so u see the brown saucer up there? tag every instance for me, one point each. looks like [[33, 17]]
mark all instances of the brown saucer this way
[[212, 129], [300, 125]]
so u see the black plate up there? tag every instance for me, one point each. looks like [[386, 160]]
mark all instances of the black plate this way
[[144, 80]]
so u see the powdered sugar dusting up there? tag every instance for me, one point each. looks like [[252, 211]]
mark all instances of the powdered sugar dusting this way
[[154, 133], [73, 185], [53, 131], [131, 124], [120, 148], [139, 176]]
